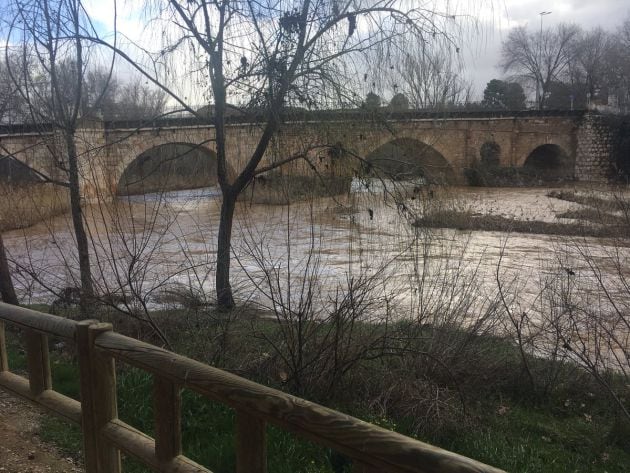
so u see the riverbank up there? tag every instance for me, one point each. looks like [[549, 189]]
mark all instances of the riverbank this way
[[173, 237], [457, 389], [587, 225], [26, 205], [573, 211], [468, 340]]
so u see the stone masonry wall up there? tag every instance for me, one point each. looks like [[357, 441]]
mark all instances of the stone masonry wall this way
[[594, 148], [108, 151]]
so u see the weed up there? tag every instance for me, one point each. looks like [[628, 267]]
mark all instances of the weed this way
[[573, 430], [24, 206], [465, 221]]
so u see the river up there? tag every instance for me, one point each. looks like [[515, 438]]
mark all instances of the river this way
[[159, 249]]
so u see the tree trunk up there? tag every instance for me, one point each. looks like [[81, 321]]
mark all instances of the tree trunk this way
[[79, 230], [225, 300], [7, 292]]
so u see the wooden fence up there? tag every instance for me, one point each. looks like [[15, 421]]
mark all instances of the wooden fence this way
[[371, 448]]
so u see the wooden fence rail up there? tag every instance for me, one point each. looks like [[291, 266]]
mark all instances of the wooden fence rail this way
[[371, 448]]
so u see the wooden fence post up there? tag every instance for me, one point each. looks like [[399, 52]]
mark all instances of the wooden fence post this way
[[167, 412], [98, 399], [4, 358], [251, 444], [38, 362]]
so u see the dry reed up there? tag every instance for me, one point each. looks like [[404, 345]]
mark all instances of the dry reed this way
[[27, 205]]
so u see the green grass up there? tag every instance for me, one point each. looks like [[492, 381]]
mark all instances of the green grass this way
[[207, 427], [531, 439], [208, 430], [557, 434]]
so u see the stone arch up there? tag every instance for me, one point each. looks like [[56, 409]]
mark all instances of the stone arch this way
[[169, 166], [408, 159], [490, 154], [13, 171], [550, 162]]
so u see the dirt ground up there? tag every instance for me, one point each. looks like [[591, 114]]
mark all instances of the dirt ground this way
[[21, 449]]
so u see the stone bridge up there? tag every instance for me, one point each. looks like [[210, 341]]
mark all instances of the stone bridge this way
[[440, 146]]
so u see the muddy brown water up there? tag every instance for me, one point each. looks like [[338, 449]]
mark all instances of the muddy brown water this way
[[156, 245]]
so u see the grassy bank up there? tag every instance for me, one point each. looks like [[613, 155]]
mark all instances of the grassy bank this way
[[480, 406], [24, 206], [603, 214], [615, 202], [596, 224]]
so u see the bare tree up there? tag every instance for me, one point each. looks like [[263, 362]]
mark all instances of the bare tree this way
[[589, 313], [269, 55], [431, 78], [100, 92], [136, 100], [618, 64], [7, 292], [592, 49], [50, 78], [539, 58], [107, 96], [11, 104]]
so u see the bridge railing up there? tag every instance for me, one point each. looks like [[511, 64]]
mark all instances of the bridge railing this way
[[371, 448], [301, 116]]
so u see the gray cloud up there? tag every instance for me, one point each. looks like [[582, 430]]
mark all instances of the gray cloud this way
[[483, 55]]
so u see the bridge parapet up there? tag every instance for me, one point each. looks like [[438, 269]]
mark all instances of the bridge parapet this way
[[355, 115]]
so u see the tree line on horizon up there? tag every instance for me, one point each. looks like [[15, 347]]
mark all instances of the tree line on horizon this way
[[28, 96], [558, 68], [566, 66]]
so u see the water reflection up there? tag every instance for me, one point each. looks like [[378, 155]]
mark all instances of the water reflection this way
[[381, 186], [186, 195]]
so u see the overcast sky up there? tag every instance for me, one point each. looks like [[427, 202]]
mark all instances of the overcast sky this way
[[481, 50], [483, 55]]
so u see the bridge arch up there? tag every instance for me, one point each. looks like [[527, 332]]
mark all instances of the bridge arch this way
[[169, 166], [409, 158], [550, 162]]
